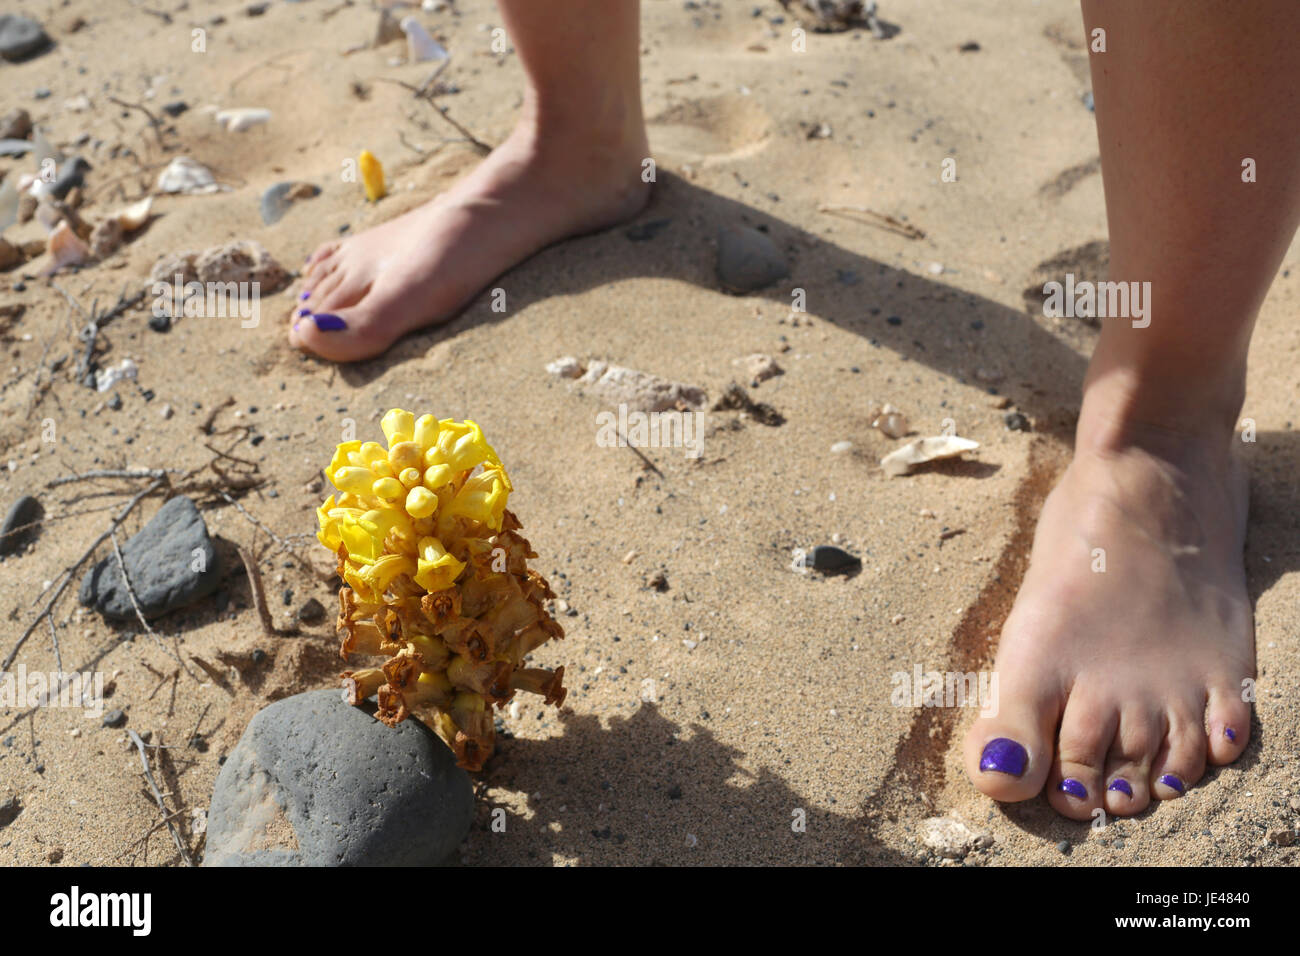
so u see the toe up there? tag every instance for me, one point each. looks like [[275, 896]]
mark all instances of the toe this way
[[1008, 755], [1128, 766], [340, 293], [1182, 758], [318, 259], [1228, 723], [1087, 729]]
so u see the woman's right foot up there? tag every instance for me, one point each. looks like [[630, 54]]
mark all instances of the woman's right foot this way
[[363, 293]]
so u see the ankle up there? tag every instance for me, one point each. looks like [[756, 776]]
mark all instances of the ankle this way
[[1167, 415]]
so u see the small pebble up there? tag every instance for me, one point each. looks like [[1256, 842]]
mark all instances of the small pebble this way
[[114, 718]]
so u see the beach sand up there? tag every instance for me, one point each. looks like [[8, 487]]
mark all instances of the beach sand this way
[[771, 689]]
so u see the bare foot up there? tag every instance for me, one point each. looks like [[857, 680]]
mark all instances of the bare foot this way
[[364, 292], [1121, 665]]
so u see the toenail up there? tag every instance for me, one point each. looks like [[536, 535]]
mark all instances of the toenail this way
[[305, 296], [326, 322], [1230, 734], [1120, 785], [303, 313], [1004, 755], [1172, 782], [1073, 787]]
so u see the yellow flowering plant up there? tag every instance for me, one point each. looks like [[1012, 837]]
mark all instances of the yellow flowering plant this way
[[436, 580]]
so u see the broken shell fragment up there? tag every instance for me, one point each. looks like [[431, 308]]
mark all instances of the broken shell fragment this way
[[901, 461], [65, 248], [184, 175], [242, 118], [421, 47], [135, 215], [891, 422]]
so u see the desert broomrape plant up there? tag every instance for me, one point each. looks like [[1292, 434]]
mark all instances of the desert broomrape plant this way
[[436, 580]]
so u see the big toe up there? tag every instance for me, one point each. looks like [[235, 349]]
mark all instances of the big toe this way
[[1009, 755]]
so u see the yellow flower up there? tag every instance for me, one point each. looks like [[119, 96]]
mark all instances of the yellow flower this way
[[437, 570]]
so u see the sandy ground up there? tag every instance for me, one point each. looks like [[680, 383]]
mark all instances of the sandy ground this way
[[782, 704]]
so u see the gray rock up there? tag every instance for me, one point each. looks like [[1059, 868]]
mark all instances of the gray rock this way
[[277, 200], [748, 260], [114, 718], [72, 172], [9, 810], [316, 782], [1015, 422], [15, 147], [25, 511], [21, 38], [171, 563]]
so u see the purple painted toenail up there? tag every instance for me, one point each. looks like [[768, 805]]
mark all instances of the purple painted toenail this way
[[303, 313], [1230, 734], [1172, 782], [329, 323], [1120, 785], [1004, 755], [305, 296], [1073, 787]]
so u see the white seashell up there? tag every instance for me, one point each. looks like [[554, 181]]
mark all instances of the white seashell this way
[[238, 120], [65, 248], [184, 175], [419, 45], [901, 461], [135, 215]]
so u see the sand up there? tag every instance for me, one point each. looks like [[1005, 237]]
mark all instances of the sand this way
[[771, 689]]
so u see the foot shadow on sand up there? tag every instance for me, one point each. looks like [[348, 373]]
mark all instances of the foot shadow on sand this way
[[645, 791], [960, 334]]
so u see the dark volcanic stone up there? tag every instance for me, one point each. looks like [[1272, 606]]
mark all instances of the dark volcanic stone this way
[[832, 560], [171, 563], [316, 782], [25, 511]]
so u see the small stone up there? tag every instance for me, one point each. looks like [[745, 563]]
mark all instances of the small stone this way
[[114, 718], [1281, 837], [175, 108], [105, 238], [21, 38], [829, 559], [1015, 422], [72, 173], [22, 513], [760, 368], [171, 563], [950, 838], [277, 199], [748, 260], [161, 322], [16, 124], [311, 612], [166, 411], [9, 810], [658, 581], [840, 447], [1063, 847], [566, 367], [115, 403], [316, 782]]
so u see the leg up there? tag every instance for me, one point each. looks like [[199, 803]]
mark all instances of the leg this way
[[572, 165], [1121, 684]]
